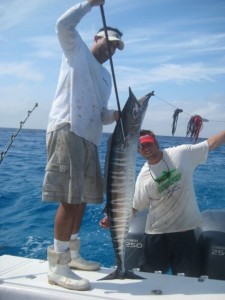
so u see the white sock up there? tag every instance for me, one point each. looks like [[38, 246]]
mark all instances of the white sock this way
[[61, 246], [74, 237]]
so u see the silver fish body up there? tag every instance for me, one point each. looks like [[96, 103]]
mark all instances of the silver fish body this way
[[121, 163]]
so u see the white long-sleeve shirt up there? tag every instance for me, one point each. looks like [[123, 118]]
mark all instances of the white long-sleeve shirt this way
[[84, 85], [172, 203]]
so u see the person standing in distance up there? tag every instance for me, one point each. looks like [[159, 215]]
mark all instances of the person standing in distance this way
[[79, 111]]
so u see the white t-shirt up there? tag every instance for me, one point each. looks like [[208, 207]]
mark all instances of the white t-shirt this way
[[172, 203], [84, 85]]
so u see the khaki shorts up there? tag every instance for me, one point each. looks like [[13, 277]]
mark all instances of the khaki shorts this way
[[73, 172]]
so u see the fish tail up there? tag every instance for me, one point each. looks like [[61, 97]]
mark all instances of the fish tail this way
[[118, 275]]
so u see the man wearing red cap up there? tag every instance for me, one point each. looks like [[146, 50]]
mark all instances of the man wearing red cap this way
[[165, 186], [147, 138]]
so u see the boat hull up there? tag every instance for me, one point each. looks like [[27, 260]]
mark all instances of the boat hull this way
[[23, 278]]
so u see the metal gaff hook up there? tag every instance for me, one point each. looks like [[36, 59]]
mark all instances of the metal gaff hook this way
[[112, 69]]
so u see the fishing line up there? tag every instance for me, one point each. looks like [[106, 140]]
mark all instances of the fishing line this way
[[195, 123], [205, 120], [171, 104], [112, 69], [13, 136]]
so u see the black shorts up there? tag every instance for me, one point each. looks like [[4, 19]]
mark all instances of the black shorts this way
[[177, 251]]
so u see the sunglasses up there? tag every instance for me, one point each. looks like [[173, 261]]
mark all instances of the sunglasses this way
[[164, 176]]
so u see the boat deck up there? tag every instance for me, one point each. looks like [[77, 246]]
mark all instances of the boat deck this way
[[24, 278]]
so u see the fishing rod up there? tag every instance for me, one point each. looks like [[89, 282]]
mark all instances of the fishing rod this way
[[13, 136], [112, 69]]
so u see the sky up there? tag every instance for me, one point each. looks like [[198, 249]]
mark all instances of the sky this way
[[175, 48]]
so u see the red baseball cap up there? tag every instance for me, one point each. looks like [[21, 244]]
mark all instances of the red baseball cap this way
[[147, 139]]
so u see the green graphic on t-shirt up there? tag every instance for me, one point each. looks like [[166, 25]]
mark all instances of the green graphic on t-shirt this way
[[167, 179]]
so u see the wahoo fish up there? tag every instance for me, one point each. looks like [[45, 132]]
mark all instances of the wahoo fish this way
[[120, 177]]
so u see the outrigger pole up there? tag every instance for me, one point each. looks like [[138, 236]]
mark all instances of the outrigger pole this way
[[112, 69], [13, 136]]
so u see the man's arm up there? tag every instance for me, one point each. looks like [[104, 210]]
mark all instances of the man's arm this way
[[96, 2], [73, 15], [65, 26], [109, 116], [216, 140]]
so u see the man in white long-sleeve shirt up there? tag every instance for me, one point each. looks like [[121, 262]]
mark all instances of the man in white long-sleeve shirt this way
[[73, 174]]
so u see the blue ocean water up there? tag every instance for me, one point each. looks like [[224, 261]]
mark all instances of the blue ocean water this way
[[26, 223]]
